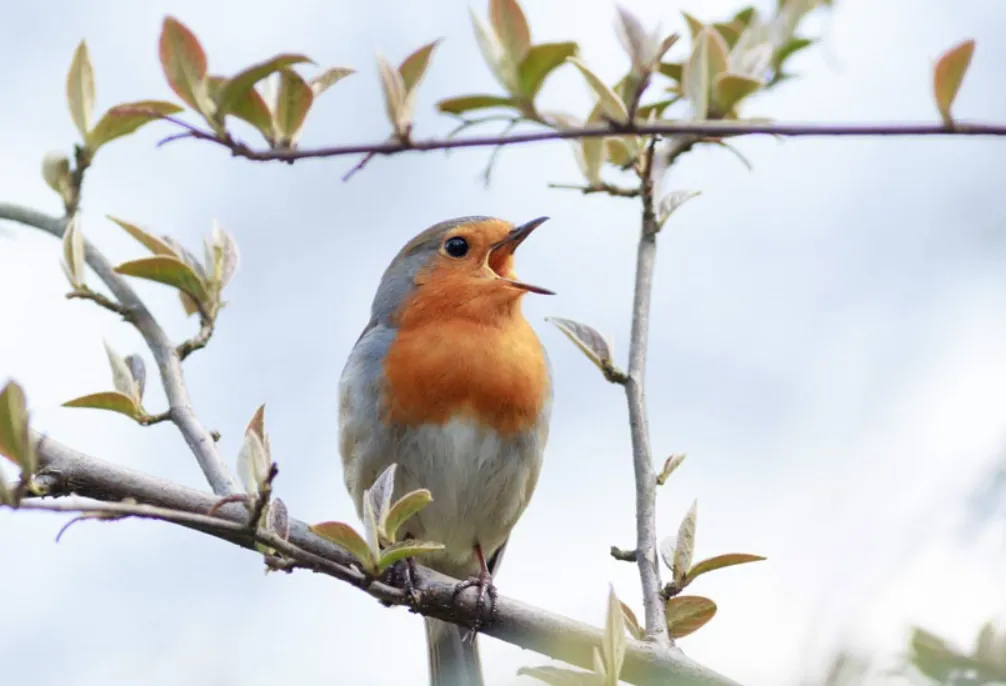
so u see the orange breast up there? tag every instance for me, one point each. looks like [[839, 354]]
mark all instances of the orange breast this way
[[493, 372]]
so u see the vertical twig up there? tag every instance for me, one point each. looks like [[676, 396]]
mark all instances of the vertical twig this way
[[646, 524]]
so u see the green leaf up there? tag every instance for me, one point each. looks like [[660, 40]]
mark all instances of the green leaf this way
[[590, 342], [225, 256], [393, 88], [370, 529], [405, 549], [540, 61], [151, 242], [709, 58], [719, 562], [558, 676], [403, 509], [73, 252], [694, 25], [380, 494], [949, 74], [126, 118], [684, 547], [492, 52], [293, 101], [687, 614], [139, 373], [613, 645], [790, 48], [112, 401], [236, 89], [252, 463], [167, 270], [672, 70], [328, 78], [467, 103], [745, 16], [122, 378], [729, 89], [590, 153], [251, 107], [346, 537], [184, 65], [56, 173], [15, 442], [611, 104], [80, 89], [511, 28], [413, 68], [730, 31], [670, 465]]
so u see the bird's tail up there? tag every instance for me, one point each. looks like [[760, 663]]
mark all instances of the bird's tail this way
[[453, 662]]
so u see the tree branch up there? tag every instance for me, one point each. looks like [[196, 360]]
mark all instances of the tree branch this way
[[646, 495], [65, 471], [711, 129], [165, 355]]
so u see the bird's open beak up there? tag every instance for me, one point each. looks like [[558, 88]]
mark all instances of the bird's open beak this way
[[508, 245]]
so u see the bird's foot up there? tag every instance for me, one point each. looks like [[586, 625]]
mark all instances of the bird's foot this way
[[486, 589], [403, 575]]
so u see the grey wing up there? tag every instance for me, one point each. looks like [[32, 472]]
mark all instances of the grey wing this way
[[363, 440]]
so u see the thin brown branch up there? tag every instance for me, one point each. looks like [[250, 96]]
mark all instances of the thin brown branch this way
[[66, 471], [84, 293], [199, 341], [714, 129], [606, 188], [646, 494], [165, 354]]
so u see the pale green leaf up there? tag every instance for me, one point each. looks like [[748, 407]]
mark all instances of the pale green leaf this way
[[467, 103], [112, 401], [687, 614], [236, 89], [80, 89], [719, 562], [167, 270], [611, 104], [670, 464], [126, 118], [73, 252], [949, 74], [293, 101], [346, 537], [590, 342], [511, 28], [729, 89], [684, 547], [122, 378], [328, 78], [540, 61], [413, 68], [405, 549], [708, 59], [393, 88], [15, 443], [154, 244], [184, 65], [403, 509], [613, 646]]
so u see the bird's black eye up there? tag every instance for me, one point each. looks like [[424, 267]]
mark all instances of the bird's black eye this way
[[456, 246]]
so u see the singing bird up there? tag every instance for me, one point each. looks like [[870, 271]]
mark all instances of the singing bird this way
[[449, 381]]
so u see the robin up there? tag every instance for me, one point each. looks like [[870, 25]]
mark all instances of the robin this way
[[449, 381]]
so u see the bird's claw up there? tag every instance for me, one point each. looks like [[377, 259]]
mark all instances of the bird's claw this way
[[403, 574], [484, 582]]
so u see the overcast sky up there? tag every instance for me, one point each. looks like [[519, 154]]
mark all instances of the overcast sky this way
[[828, 345]]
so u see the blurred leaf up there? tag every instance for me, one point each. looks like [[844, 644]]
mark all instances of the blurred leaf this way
[[595, 346], [656, 108], [151, 242], [669, 204], [559, 676], [328, 78], [684, 547], [637, 43], [107, 400], [466, 103], [252, 463], [540, 61], [948, 76], [504, 72], [370, 528], [122, 378], [235, 90], [616, 151], [293, 101], [610, 103], [187, 257], [719, 562], [277, 518], [56, 172], [511, 28], [139, 373], [709, 58], [730, 31], [670, 464], [80, 89], [666, 547], [226, 255], [694, 25], [745, 16], [613, 646], [189, 305], [599, 669], [344, 536], [167, 270], [15, 441], [73, 252], [126, 118], [631, 623], [672, 70], [399, 551], [932, 656], [688, 613], [184, 65], [381, 492], [986, 645], [590, 156], [256, 424], [790, 48], [393, 87], [251, 107], [413, 68], [403, 509], [729, 89]]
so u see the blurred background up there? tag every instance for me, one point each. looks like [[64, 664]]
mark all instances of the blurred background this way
[[828, 345]]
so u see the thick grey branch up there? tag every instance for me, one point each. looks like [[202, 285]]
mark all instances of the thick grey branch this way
[[164, 352], [64, 471]]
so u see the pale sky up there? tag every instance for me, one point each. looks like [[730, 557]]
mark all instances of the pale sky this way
[[829, 345]]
